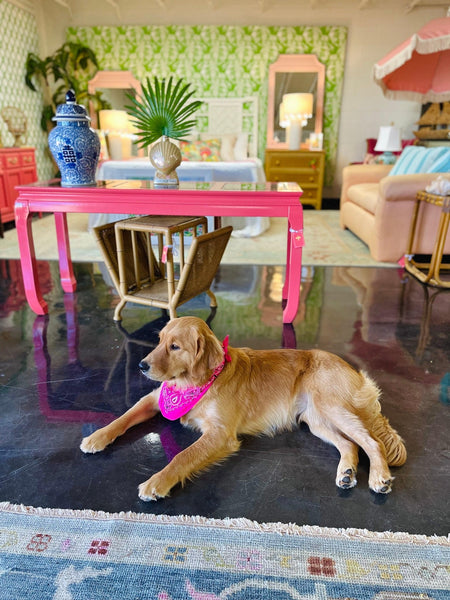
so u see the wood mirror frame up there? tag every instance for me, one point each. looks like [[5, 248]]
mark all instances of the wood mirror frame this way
[[291, 64], [104, 80], [112, 80]]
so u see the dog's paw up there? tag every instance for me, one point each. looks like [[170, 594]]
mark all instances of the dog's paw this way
[[95, 442], [381, 484], [346, 479], [153, 488]]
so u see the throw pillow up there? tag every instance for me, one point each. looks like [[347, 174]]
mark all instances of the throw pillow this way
[[442, 165], [419, 159], [241, 147], [208, 150], [227, 147], [403, 164]]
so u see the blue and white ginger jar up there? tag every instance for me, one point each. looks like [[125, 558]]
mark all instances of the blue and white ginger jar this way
[[74, 145]]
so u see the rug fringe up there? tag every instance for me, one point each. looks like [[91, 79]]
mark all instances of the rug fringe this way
[[242, 523]]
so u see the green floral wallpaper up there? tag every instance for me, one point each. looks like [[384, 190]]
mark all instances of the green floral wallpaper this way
[[224, 61], [19, 36]]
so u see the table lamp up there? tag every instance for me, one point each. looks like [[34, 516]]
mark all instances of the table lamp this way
[[116, 126], [295, 111], [388, 141]]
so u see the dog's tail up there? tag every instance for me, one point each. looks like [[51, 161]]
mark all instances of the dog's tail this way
[[393, 443], [380, 427]]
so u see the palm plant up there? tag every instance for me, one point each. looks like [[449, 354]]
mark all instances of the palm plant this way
[[69, 67], [163, 110]]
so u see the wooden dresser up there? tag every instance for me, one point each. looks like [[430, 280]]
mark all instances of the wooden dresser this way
[[305, 167], [17, 166]]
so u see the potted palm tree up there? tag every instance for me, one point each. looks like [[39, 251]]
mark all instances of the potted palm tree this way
[[163, 112], [68, 68]]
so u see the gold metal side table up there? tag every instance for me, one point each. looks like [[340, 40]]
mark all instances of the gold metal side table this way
[[432, 276]]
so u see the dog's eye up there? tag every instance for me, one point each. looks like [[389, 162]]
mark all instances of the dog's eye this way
[[174, 347]]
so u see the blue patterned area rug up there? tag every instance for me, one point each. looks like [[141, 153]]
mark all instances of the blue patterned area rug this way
[[85, 555]]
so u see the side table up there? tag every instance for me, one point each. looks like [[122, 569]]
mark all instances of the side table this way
[[164, 227], [432, 277], [132, 264]]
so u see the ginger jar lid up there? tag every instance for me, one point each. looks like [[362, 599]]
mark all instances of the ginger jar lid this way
[[71, 111]]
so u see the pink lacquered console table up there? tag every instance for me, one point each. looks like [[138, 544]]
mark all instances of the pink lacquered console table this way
[[140, 198]]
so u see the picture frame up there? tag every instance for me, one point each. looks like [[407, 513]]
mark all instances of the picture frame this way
[[316, 141]]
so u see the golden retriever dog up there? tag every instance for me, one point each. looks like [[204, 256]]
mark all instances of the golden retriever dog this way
[[254, 392]]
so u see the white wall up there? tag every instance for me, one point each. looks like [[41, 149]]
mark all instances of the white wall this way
[[372, 32]]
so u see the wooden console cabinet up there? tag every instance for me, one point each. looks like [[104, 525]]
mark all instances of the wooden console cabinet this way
[[305, 167], [17, 167]]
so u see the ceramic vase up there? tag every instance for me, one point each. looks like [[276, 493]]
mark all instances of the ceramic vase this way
[[165, 156], [74, 145]]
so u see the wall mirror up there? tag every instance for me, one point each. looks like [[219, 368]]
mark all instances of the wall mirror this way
[[114, 86], [294, 73]]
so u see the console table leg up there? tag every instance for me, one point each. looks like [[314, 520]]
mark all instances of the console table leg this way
[[285, 290], [28, 258], [68, 281], [291, 288]]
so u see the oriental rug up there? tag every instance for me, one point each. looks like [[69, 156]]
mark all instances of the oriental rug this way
[[326, 244], [48, 554]]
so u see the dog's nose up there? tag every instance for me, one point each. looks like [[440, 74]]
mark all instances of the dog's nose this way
[[144, 366]]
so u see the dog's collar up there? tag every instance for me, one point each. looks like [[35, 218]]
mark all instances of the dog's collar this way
[[175, 403]]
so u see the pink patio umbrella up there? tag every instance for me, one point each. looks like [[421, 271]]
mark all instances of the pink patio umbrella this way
[[418, 69]]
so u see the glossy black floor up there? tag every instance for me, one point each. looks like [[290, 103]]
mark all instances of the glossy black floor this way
[[64, 375]]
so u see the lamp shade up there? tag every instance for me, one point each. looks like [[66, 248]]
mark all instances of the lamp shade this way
[[389, 139], [298, 106], [114, 120]]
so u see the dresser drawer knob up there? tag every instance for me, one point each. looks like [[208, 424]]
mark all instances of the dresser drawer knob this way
[[13, 160], [278, 162]]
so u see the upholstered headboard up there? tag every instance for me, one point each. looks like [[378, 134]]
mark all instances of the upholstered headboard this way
[[219, 116]]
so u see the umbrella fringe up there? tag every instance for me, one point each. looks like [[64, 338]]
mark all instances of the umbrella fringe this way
[[381, 71], [411, 96], [429, 46]]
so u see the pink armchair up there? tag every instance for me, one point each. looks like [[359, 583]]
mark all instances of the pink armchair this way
[[378, 209]]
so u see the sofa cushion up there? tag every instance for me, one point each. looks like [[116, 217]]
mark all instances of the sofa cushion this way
[[419, 159], [364, 195]]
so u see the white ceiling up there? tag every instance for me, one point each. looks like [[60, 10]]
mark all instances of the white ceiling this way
[[121, 8]]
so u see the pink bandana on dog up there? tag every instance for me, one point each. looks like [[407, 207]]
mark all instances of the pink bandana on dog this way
[[175, 403]]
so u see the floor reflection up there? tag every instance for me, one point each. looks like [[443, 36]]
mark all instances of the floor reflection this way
[[65, 374]]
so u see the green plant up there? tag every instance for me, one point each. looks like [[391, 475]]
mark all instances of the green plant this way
[[69, 67], [163, 110]]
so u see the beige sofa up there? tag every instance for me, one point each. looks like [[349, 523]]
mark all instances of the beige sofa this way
[[378, 209]]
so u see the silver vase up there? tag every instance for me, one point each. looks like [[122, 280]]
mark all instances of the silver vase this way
[[165, 156]]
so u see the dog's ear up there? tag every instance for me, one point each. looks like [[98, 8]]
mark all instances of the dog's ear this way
[[209, 353]]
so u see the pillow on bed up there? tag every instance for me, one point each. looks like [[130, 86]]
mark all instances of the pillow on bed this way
[[241, 147], [233, 146], [228, 142], [201, 150]]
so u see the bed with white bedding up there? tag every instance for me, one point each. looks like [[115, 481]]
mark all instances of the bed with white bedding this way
[[189, 170], [223, 148]]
